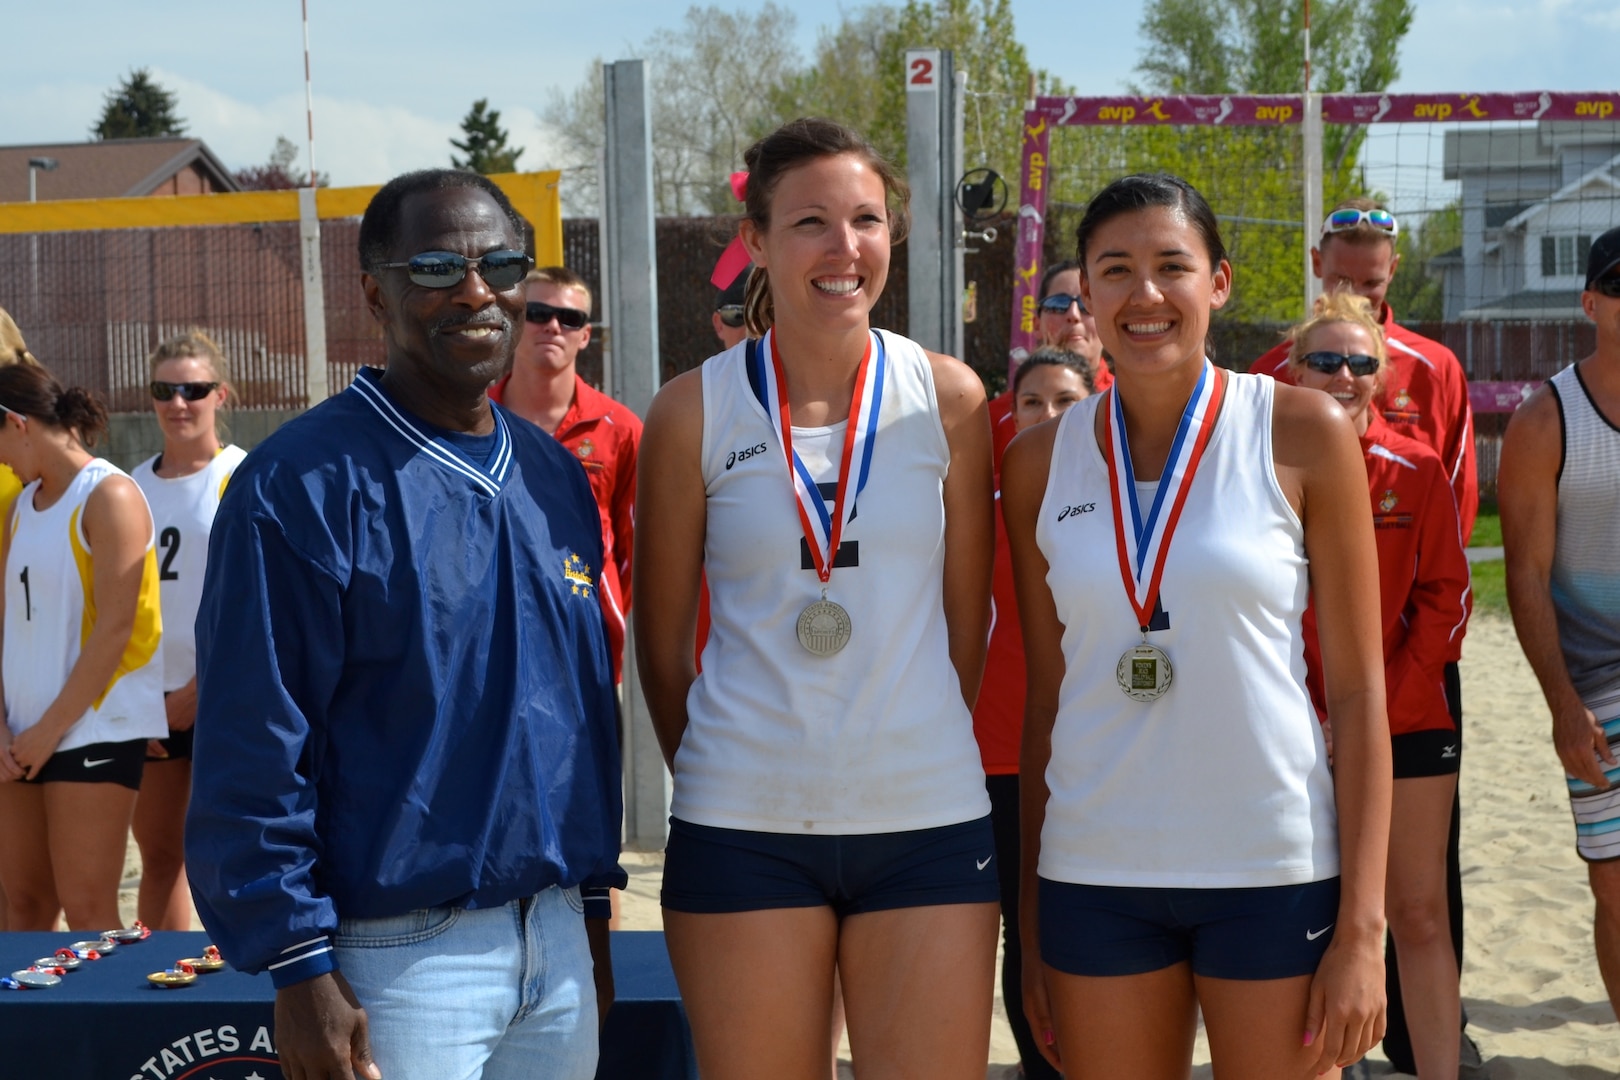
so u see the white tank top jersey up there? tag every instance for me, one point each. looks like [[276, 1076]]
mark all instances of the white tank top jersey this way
[[1585, 580], [183, 510], [874, 738], [1223, 782], [50, 611]]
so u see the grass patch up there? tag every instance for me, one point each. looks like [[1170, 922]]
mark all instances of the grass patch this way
[[1487, 527], [1490, 586]]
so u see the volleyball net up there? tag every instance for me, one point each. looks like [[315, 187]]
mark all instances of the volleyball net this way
[[1498, 197]]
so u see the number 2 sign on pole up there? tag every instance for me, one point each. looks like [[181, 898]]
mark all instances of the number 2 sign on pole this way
[[922, 70]]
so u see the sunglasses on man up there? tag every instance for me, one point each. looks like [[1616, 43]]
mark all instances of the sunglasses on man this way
[[443, 269], [1344, 220], [1059, 302], [1329, 363], [730, 314], [568, 318], [191, 391]]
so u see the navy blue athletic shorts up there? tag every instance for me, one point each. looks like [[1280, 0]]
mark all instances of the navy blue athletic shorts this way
[[720, 871], [1276, 932]]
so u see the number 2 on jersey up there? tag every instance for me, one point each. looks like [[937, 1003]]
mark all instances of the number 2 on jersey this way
[[169, 541]]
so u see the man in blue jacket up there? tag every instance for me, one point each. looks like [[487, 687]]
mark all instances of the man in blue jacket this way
[[407, 769]]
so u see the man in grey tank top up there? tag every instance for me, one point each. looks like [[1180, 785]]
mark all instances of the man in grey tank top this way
[[1559, 492]]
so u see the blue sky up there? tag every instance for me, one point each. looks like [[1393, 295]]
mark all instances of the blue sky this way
[[391, 83]]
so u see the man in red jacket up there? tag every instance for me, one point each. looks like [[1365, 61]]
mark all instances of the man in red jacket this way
[[1425, 398], [545, 389]]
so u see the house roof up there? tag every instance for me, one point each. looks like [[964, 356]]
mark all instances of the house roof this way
[[111, 168], [1552, 304], [1603, 174]]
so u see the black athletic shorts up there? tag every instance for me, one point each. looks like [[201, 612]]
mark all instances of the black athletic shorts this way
[[98, 763], [1426, 753], [178, 744]]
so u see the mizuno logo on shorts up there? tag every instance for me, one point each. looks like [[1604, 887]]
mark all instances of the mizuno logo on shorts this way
[[92, 764], [1450, 751]]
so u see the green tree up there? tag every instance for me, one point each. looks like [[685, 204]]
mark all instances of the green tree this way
[[1253, 176], [858, 76], [138, 108], [484, 142], [1414, 295]]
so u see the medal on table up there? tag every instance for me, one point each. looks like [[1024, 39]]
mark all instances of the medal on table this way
[[1142, 540], [824, 626]]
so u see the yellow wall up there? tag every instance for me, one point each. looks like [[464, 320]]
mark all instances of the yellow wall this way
[[533, 194]]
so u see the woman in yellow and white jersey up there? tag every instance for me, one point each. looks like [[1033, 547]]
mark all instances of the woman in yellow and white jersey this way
[[82, 672], [182, 486]]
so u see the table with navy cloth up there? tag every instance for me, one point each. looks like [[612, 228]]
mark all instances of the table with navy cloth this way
[[106, 1022]]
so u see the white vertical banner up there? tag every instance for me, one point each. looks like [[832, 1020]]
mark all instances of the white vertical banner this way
[[1312, 151], [316, 386]]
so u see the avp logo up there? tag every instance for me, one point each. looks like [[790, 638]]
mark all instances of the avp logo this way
[[1601, 109], [743, 455], [1037, 170], [1280, 113], [1076, 511], [1035, 131], [1155, 111], [1436, 110], [1123, 113]]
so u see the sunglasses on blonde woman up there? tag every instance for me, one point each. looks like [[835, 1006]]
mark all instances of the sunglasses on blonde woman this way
[[191, 391]]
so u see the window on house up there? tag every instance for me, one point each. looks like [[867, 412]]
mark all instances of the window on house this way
[[1564, 256]]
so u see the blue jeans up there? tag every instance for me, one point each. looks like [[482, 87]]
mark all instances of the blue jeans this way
[[490, 994]]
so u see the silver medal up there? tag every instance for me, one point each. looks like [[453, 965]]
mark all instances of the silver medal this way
[[36, 980], [1144, 672], [824, 627]]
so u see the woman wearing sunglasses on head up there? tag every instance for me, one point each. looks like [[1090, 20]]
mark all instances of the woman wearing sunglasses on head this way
[[183, 485], [83, 679], [829, 813], [1423, 588], [1185, 845]]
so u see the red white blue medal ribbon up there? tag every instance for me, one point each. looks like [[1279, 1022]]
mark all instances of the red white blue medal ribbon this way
[[824, 531], [1145, 544]]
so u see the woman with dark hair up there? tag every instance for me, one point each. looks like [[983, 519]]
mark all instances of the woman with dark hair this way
[[83, 685], [183, 485], [1423, 587], [829, 813], [1044, 387], [1185, 845]]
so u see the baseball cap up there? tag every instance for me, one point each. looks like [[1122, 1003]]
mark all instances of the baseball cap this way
[[1605, 256]]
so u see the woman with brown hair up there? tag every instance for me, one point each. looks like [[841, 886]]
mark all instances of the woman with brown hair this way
[[833, 481], [82, 680]]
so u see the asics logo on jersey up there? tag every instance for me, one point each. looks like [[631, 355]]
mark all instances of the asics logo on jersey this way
[[92, 764], [1076, 511], [743, 455]]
